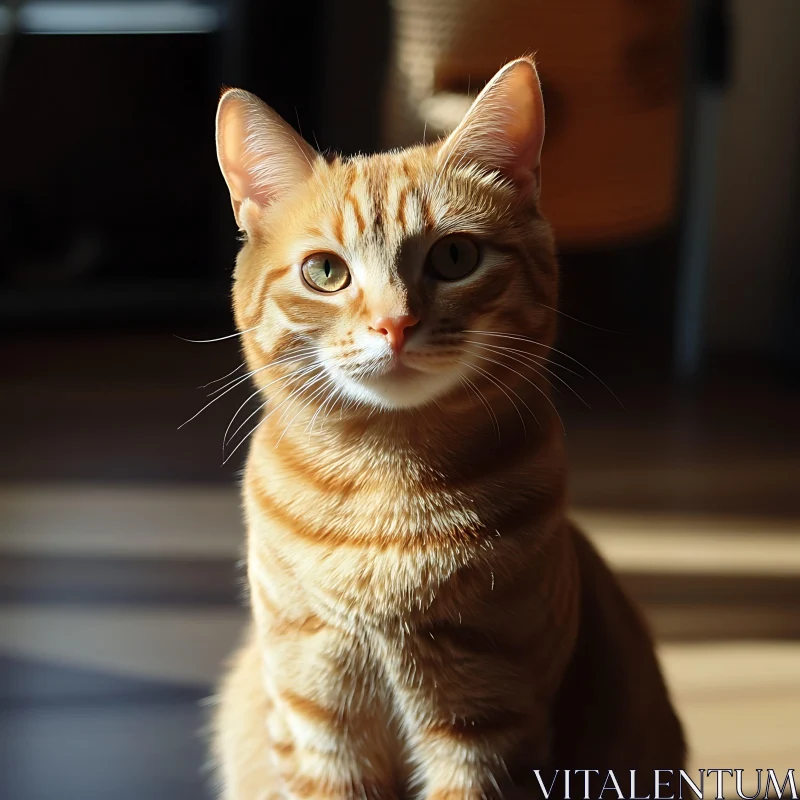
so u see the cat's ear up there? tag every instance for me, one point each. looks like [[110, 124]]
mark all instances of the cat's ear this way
[[260, 155], [504, 128]]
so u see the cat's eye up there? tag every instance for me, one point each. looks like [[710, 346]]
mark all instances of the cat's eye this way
[[453, 258], [326, 272]]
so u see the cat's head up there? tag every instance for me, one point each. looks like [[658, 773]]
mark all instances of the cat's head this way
[[388, 279]]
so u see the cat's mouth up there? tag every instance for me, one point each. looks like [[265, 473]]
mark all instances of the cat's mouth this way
[[398, 381], [397, 366], [400, 371], [393, 372]]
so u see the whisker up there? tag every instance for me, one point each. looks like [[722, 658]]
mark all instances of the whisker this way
[[335, 394], [555, 350], [282, 360], [234, 380], [225, 437], [349, 401], [543, 361], [492, 416], [528, 380], [310, 426], [331, 396], [306, 385], [217, 380], [226, 440], [534, 366], [218, 339], [305, 405], [236, 383], [264, 419], [501, 387], [538, 389], [575, 319], [257, 392], [233, 384], [530, 365]]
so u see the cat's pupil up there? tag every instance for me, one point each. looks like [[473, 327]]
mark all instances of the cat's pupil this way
[[327, 268], [454, 253]]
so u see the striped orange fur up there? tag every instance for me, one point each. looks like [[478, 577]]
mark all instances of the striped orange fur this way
[[425, 621]]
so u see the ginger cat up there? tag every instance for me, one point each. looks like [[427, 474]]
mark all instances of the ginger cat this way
[[426, 621]]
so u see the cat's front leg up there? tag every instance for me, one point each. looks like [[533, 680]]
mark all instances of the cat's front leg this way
[[475, 726], [329, 737], [478, 757]]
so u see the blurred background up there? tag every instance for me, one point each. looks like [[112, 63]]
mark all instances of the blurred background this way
[[672, 178]]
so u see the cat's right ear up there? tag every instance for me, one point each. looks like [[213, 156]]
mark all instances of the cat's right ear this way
[[260, 155]]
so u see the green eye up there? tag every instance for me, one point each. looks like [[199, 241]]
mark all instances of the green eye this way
[[326, 272], [453, 258]]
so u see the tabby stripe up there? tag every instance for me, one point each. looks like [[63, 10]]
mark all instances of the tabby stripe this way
[[337, 227], [298, 310], [310, 709], [305, 786], [476, 463], [270, 277], [429, 218], [283, 749], [315, 231], [283, 626], [360, 303], [252, 341], [377, 196], [509, 523], [291, 459], [354, 204], [327, 537], [278, 513], [401, 207]]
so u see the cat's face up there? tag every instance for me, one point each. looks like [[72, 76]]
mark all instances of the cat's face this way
[[375, 276]]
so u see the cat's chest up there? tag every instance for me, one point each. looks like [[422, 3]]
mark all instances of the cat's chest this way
[[381, 532], [378, 553]]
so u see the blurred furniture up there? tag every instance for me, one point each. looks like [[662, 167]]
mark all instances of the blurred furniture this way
[[119, 215], [612, 75]]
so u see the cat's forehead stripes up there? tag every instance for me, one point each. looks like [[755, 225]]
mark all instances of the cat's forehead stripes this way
[[354, 207], [382, 204]]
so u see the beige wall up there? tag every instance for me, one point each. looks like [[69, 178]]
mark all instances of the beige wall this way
[[757, 183]]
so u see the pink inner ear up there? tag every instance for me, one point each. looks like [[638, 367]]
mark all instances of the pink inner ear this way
[[260, 155], [504, 128], [231, 133], [525, 128], [238, 163]]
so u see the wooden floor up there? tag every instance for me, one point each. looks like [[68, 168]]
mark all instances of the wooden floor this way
[[740, 703]]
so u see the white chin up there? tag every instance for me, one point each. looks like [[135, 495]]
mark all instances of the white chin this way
[[409, 390]]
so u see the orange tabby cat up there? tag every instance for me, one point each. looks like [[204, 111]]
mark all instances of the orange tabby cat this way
[[426, 621]]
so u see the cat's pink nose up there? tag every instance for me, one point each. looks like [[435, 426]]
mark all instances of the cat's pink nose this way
[[395, 329]]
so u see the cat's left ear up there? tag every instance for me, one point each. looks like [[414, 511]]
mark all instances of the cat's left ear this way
[[261, 156], [504, 128]]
